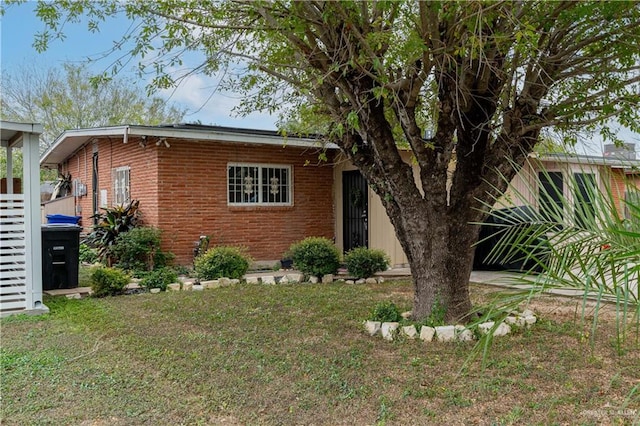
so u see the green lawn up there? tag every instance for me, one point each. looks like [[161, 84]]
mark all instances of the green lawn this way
[[297, 354]]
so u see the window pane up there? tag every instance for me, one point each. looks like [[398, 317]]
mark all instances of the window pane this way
[[235, 186], [583, 199], [258, 184], [249, 185], [550, 196], [121, 193], [275, 185]]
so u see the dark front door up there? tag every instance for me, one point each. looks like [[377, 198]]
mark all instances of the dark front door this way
[[355, 208]]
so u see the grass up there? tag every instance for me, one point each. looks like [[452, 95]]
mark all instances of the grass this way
[[297, 354]]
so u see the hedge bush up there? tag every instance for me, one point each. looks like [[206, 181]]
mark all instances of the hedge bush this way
[[222, 261], [363, 262], [108, 281], [315, 256], [159, 278], [138, 251]]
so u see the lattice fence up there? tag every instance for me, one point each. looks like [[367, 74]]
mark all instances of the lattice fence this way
[[13, 274]]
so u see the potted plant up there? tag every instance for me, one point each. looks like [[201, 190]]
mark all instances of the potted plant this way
[[287, 260]]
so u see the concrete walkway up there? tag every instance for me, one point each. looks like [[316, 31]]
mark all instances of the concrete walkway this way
[[504, 279]]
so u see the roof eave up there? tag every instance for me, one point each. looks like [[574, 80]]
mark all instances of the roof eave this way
[[62, 148]]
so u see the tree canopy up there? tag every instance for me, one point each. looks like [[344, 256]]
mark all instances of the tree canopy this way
[[67, 98], [486, 76]]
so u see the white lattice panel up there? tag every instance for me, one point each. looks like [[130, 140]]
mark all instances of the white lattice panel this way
[[13, 285]]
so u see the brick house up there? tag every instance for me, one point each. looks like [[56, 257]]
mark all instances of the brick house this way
[[260, 190], [239, 187]]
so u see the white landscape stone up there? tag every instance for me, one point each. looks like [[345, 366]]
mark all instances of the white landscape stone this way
[[155, 290], [252, 280], [313, 279], [187, 286], [224, 281], [486, 326], [361, 281], [327, 279], [234, 281], [427, 333], [372, 327], [269, 279], [446, 333], [198, 287], [527, 313], [406, 315], [502, 330], [388, 329], [530, 319], [173, 287], [511, 320], [380, 280], [349, 282], [371, 281], [410, 331], [294, 278], [463, 334], [74, 296], [282, 280]]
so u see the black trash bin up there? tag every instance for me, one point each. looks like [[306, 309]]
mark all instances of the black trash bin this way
[[60, 256]]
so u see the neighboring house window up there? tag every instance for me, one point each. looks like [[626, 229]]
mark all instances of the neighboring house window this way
[[631, 204], [259, 184], [551, 195], [583, 198], [121, 189]]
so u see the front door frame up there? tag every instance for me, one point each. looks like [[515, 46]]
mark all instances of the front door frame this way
[[355, 210]]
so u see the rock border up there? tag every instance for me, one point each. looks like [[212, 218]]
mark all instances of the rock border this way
[[451, 333], [189, 284]]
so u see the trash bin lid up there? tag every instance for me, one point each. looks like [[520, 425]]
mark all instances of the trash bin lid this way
[[59, 227]]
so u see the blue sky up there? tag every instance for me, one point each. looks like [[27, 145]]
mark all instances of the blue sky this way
[[19, 25]]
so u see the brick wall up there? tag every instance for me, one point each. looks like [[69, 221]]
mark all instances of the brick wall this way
[[193, 199], [183, 191], [113, 153]]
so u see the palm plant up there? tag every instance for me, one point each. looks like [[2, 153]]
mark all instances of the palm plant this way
[[593, 252], [110, 224]]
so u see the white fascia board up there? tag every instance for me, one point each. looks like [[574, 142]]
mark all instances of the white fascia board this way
[[586, 159], [11, 132], [72, 140], [233, 137]]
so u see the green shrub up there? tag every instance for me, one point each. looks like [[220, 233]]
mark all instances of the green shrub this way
[[159, 278], [222, 261], [386, 312], [108, 281], [110, 224], [315, 256], [363, 262], [88, 254], [138, 251]]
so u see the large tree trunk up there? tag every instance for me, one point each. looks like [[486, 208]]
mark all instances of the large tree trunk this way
[[440, 252], [440, 266]]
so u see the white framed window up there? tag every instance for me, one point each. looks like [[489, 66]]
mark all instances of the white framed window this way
[[121, 188], [259, 184]]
